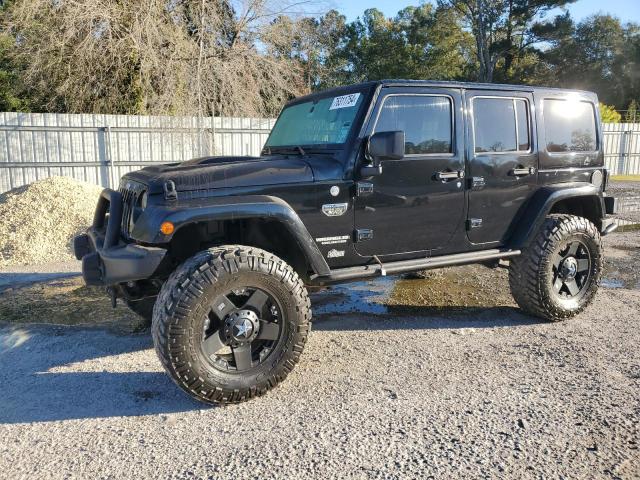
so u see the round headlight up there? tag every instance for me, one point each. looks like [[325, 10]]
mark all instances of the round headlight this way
[[596, 178]]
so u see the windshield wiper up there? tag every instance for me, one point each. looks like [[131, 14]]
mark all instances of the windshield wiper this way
[[297, 149]]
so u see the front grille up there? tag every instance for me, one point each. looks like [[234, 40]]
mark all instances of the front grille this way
[[131, 194]]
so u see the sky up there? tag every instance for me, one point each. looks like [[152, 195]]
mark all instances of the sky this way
[[626, 10]]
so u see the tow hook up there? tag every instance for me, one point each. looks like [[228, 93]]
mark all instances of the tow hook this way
[[113, 296]]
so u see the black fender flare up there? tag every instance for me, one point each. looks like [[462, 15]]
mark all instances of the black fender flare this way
[[541, 203], [147, 228]]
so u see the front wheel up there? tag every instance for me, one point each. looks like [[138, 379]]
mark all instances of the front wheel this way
[[230, 323], [558, 273]]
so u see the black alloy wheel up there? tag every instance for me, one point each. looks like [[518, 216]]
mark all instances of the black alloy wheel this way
[[241, 329], [571, 270]]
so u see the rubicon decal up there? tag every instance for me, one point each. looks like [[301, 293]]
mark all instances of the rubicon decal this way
[[333, 253]]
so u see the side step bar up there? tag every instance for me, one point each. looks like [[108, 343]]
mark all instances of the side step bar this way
[[402, 266]]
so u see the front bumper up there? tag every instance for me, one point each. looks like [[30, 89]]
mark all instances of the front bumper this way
[[106, 259]]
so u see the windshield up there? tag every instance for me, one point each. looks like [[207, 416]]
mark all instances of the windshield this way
[[321, 121]]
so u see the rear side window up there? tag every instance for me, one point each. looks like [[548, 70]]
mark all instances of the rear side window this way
[[425, 120], [570, 125], [522, 119], [501, 124]]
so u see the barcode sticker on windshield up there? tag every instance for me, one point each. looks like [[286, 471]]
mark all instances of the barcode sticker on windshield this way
[[345, 101]]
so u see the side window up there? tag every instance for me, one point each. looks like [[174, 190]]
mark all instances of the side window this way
[[425, 120], [522, 119], [501, 125], [569, 125]]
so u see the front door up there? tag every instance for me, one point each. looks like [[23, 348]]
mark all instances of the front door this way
[[417, 203], [503, 161]]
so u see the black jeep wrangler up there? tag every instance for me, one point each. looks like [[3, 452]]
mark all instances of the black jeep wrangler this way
[[372, 179]]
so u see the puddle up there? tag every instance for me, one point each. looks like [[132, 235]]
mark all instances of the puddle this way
[[456, 287], [358, 297], [622, 259], [611, 283], [13, 339]]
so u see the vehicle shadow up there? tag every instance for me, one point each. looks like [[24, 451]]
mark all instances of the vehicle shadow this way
[[41, 381], [54, 373], [403, 317]]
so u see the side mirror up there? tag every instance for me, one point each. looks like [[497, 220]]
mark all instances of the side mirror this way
[[386, 146]]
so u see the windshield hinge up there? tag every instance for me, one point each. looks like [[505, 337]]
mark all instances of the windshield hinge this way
[[170, 192]]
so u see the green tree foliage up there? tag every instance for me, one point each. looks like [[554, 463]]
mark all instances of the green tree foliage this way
[[632, 114], [504, 33], [12, 93], [420, 42], [608, 114], [598, 54]]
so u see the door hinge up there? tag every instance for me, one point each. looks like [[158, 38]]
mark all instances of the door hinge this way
[[364, 234], [474, 223], [364, 188]]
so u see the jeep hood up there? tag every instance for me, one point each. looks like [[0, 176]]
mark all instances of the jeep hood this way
[[224, 172]]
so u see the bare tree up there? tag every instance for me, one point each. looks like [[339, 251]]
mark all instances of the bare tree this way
[[153, 56]]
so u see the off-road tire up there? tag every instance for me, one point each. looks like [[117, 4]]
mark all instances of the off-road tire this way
[[183, 302], [531, 273], [143, 308]]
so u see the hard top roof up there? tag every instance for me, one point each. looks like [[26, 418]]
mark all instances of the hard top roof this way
[[436, 83]]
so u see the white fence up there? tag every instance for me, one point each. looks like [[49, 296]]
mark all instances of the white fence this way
[[101, 148], [622, 148]]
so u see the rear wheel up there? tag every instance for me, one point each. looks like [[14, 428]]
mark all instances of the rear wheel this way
[[558, 274], [230, 323]]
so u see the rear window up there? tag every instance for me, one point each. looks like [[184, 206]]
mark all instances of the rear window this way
[[501, 124], [570, 125]]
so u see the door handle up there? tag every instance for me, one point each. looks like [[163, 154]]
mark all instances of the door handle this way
[[447, 175], [522, 172]]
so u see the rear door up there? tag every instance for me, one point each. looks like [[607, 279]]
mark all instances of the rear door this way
[[503, 161]]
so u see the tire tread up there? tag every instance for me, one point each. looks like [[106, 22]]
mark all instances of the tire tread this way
[[187, 283], [526, 271]]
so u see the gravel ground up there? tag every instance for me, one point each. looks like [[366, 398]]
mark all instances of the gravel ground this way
[[398, 380]]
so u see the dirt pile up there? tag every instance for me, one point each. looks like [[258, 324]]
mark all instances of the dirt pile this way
[[38, 221]]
